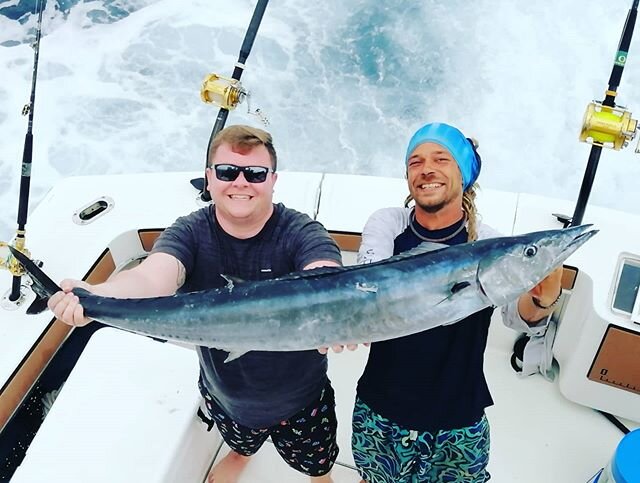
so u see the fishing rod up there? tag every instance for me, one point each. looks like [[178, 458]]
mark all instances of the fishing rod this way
[[25, 179], [228, 92], [605, 124], [611, 126]]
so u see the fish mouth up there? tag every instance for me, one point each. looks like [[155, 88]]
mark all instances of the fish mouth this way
[[580, 235], [556, 245]]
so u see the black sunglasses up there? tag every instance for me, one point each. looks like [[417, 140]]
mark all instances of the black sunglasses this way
[[230, 172]]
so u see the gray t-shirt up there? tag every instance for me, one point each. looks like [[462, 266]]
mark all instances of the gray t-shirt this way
[[259, 389]]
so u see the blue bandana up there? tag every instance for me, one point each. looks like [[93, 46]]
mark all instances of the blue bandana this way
[[454, 141]]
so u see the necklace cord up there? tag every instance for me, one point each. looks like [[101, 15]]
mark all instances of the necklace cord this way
[[413, 221]]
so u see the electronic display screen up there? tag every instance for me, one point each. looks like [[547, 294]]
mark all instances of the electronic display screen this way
[[617, 362], [627, 289]]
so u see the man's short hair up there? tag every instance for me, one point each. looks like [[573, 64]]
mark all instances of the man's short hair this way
[[244, 138]]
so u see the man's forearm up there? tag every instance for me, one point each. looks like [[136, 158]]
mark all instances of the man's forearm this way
[[159, 275], [127, 284]]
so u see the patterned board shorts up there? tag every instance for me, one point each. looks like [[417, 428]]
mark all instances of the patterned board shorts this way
[[306, 441], [387, 453]]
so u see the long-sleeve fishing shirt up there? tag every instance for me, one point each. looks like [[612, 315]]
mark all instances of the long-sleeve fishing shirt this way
[[432, 380]]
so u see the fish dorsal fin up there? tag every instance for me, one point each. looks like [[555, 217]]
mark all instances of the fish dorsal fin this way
[[424, 247], [312, 273], [232, 279]]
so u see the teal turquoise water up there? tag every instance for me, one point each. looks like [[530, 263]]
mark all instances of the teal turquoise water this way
[[343, 83]]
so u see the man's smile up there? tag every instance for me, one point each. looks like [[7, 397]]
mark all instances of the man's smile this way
[[430, 186]]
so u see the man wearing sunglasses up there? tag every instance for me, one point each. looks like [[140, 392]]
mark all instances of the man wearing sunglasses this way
[[243, 234]]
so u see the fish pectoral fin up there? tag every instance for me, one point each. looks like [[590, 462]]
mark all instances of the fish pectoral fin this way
[[456, 288], [233, 355]]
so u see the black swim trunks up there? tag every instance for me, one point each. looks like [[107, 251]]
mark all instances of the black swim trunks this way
[[306, 441]]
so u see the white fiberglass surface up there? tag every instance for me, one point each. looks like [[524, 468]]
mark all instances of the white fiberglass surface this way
[[343, 83]]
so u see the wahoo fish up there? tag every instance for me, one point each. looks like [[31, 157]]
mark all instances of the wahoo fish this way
[[429, 286]]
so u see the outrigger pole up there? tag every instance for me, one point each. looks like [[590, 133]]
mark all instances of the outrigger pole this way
[[605, 124], [228, 93], [27, 157]]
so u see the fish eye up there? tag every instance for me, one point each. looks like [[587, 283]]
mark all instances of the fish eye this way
[[530, 251]]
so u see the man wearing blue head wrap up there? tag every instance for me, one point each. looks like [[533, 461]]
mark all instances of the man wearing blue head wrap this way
[[420, 407], [460, 148]]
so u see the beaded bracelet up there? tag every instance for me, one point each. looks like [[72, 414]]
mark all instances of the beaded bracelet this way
[[536, 301]]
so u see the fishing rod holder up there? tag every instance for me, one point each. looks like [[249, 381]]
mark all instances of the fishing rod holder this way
[[222, 91], [21, 295], [608, 127], [8, 261]]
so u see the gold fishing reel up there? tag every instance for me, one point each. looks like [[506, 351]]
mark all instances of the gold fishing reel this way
[[222, 91], [8, 262], [609, 127]]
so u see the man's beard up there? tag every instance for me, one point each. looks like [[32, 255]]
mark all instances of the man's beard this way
[[433, 208]]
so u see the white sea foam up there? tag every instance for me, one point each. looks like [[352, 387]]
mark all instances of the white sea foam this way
[[343, 82]]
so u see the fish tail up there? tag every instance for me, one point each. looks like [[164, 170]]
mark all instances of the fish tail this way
[[43, 286]]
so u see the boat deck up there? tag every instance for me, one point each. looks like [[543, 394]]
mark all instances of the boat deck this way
[[127, 412], [536, 434]]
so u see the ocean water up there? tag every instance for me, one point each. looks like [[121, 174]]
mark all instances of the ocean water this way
[[344, 83]]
